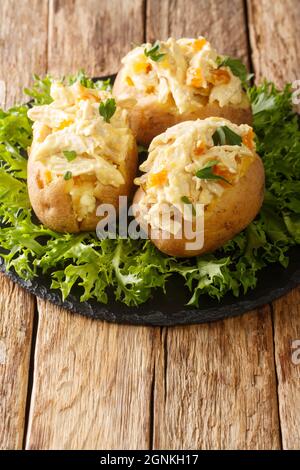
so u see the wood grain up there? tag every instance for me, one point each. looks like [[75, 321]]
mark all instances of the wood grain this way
[[221, 21], [93, 381], [214, 385], [274, 32], [92, 384], [23, 39], [92, 34], [16, 317], [212, 390], [23, 44], [287, 350], [222, 396]]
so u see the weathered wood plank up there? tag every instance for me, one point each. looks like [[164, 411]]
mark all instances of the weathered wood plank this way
[[216, 388], [23, 45], [23, 39], [16, 320], [93, 381], [215, 385], [274, 32], [92, 384], [214, 19], [92, 34], [287, 350]]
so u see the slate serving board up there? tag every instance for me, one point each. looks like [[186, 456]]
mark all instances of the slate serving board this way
[[170, 308]]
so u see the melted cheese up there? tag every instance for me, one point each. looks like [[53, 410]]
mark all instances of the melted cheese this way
[[72, 123], [175, 155], [185, 74]]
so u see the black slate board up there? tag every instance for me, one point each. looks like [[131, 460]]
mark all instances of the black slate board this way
[[170, 309]]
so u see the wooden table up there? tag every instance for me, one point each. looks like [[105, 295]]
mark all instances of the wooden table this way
[[69, 382]]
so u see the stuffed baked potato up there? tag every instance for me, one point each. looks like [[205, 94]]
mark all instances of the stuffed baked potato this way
[[209, 164], [179, 80], [83, 154]]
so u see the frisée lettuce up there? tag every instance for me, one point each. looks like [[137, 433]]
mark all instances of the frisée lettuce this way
[[133, 269]]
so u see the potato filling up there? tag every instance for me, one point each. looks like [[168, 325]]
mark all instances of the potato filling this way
[[194, 161], [187, 70], [75, 140]]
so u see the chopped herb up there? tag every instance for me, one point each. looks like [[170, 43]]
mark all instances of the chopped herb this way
[[142, 149], [132, 271], [82, 78], [68, 175], [103, 84], [225, 136], [186, 200], [153, 52], [70, 155], [206, 173], [107, 109], [237, 68]]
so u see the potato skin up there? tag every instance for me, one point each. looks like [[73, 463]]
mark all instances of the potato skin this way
[[53, 205], [149, 118], [226, 217]]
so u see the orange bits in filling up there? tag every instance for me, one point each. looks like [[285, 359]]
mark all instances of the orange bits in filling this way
[[157, 179], [195, 77], [84, 94], [48, 176], [142, 67], [65, 123], [200, 148], [129, 81], [220, 77], [220, 170], [198, 44], [248, 139], [150, 89]]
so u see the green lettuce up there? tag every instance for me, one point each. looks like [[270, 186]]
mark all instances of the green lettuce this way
[[134, 269]]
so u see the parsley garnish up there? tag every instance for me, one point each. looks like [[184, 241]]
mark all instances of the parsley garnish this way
[[186, 200], [206, 173], [237, 68], [225, 136], [68, 175], [153, 52], [107, 109], [142, 149], [70, 155], [120, 268]]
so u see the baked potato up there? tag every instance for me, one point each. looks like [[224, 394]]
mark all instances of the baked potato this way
[[83, 154], [179, 80], [208, 173]]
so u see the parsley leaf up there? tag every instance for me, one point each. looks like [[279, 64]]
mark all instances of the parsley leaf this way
[[107, 109], [225, 136], [206, 173], [153, 52], [134, 269], [142, 148], [70, 155], [237, 68], [68, 175], [186, 200]]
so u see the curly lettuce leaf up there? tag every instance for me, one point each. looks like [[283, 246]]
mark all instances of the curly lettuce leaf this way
[[134, 269], [40, 91]]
